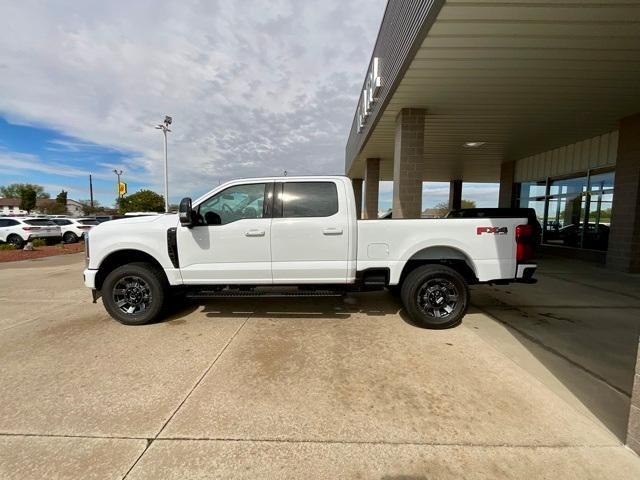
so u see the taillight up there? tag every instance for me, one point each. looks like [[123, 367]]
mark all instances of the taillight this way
[[524, 243], [84, 227], [27, 229]]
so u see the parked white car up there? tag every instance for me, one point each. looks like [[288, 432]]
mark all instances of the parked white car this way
[[301, 235], [73, 229], [20, 230]]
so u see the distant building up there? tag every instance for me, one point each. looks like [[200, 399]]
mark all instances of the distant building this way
[[74, 208], [11, 206]]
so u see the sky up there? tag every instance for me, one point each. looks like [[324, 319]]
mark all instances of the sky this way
[[254, 88]]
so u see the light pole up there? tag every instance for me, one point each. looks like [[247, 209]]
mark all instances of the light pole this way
[[118, 173], [164, 126]]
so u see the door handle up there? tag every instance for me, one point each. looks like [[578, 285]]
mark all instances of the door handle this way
[[332, 231], [254, 233]]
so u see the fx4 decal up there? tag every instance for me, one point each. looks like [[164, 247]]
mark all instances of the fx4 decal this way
[[492, 230]]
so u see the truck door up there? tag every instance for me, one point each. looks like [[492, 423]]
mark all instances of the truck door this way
[[309, 233], [231, 242]]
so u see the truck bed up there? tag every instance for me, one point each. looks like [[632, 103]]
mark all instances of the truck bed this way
[[488, 245]]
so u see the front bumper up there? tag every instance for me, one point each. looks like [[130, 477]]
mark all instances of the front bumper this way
[[524, 273]]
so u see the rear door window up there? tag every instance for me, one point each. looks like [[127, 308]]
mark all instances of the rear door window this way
[[309, 199]]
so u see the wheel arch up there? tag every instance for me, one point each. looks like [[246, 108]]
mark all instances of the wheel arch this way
[[441, 255], [122, 257]]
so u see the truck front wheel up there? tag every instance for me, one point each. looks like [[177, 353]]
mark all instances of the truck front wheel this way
[[435, 296], [134, 293]]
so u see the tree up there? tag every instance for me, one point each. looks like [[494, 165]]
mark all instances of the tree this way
[[52, 207], [62, 198], [87, 209], [28, 196], [441, 209], [142, 201], [15, 190]]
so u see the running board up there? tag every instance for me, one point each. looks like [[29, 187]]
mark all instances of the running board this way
[[261, 293]]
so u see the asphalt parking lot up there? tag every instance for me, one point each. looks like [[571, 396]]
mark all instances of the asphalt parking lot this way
[[334, 388]]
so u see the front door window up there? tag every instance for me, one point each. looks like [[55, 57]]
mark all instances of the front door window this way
[[232, 204]]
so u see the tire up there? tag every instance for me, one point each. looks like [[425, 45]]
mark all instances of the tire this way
[[435, 296], [139, 287], [69, 237], [16, 240]]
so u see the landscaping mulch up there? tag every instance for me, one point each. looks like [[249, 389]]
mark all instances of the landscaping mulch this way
[[39, 252]]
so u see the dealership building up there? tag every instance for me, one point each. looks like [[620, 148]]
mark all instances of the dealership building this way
[[542, 97]]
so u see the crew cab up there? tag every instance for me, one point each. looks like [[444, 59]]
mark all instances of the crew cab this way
[[299, 236]]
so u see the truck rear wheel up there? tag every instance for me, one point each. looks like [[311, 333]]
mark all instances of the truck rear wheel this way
[[134, 293], [435, 296]]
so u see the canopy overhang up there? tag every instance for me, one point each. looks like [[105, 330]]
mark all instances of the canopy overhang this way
[[518, 77]]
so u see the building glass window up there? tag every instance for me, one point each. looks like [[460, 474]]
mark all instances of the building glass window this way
[[532, 195], [574, 211]]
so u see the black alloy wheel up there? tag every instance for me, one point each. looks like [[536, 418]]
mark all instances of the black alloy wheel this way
[[435, 296], [134, 293]]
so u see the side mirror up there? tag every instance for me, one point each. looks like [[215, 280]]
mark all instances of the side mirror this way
[[185, 213]]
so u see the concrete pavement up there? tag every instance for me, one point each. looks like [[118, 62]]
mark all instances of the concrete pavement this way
[[276, 389]]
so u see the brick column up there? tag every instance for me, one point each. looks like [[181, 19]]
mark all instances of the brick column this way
[[455, 194], [505, 197], [408, 163], [357, 192], [371, 188], [624, 240], [633, 429]]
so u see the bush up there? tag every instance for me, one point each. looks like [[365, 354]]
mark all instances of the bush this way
[[38, 242], [7, 246]]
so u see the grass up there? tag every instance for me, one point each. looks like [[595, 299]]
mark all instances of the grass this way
[[7, 246]]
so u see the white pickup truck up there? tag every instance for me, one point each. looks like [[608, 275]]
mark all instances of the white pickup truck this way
[[299, 236]]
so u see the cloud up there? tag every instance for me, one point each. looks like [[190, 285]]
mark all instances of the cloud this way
[[22, 163], [255, 88]]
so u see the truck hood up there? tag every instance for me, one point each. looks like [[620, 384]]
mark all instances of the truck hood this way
[[141, 223]]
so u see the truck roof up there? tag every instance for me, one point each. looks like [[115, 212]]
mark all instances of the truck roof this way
[[287, 177], [237, 181]]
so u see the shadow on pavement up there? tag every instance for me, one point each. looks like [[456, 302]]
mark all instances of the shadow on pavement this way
[[376, 304], [581, 323]]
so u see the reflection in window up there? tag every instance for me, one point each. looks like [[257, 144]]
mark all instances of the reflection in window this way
[[309, 199], [233, 204], [578, 209], [532, 195]]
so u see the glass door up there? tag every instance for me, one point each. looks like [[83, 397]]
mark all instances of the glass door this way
[[598, 201]]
